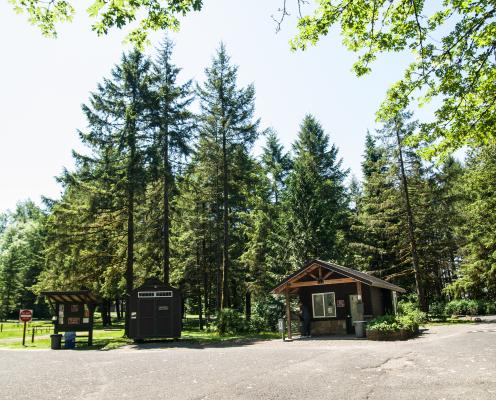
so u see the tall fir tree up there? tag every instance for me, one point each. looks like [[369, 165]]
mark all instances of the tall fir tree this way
[[477, 272], [173, 123], [276, 164], [376, 222], [315, 199], [227, 125]]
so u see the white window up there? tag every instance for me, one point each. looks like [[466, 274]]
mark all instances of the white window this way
[[324, 305], [166, 293]]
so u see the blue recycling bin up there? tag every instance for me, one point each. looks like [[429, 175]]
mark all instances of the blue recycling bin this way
[[69, 340]]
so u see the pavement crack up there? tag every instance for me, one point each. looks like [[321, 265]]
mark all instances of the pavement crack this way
[[393, 363]]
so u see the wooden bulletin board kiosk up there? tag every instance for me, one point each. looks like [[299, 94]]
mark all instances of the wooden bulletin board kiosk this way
[[73, 311]]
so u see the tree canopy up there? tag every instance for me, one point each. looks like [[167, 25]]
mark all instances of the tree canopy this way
[[160, 191], [453, 44]]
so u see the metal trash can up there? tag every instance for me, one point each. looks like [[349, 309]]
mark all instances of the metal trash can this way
[[56, 341], [359, 329], [281, 326], [70, 340]]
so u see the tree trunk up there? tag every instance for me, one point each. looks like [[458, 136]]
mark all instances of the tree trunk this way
[[118, 309], [166, 194], [411, 229], [130, 226], [204, 274], [248, 305], [109, 312], [103, 311], [225, 222], [106, 314], [199, 286], [200, 313]]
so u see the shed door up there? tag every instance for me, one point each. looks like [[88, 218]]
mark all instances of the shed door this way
[[146, 315], [164, 316]]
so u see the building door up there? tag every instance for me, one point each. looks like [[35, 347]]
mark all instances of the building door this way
[[355, 309]]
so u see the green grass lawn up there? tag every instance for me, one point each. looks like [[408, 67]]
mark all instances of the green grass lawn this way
[[13, 329], [108, 338]]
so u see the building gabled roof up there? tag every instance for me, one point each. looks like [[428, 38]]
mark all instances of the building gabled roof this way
[[75, 296], [360, 276]]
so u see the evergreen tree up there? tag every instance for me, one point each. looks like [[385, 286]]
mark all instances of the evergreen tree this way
[[315, 200], [276, 164], [96, 218], [394, 132], [21, 259], [227, 126], [376, 224], [173, 123], [477, 274]]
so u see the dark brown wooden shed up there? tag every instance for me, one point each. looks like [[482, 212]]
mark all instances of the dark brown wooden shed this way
[[337, 296], [155, 311]]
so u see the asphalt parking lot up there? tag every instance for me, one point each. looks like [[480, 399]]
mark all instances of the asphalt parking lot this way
[[445, 362]]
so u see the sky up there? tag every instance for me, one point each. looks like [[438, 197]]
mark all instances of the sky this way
[[43, 83]]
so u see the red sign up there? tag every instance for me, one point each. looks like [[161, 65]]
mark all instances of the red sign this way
[[25, 315]]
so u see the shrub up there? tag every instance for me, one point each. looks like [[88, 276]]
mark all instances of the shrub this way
[[406, 307], [462, 307], [257, 324], [454, 308], [409, 318], [230, 321], [393, 323], [416, 316], [437, 309], [490, 307], [269, 309], [410, 311], [384, 323]]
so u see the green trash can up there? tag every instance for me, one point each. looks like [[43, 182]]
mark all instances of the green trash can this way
[[56, 341]]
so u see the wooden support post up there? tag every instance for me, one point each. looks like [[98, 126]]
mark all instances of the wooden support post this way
[[32, 335], [288, 315], [24, 335], [56, 324], [359, 290], [360, 306], [90, 333]]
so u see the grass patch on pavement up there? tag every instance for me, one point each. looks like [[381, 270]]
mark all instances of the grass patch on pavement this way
[[450, 321]]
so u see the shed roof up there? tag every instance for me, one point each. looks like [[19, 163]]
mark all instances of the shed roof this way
[[154, 283], [360, 276], [73, 296]]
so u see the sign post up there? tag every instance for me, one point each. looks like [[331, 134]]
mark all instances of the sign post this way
[[25, 316]]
